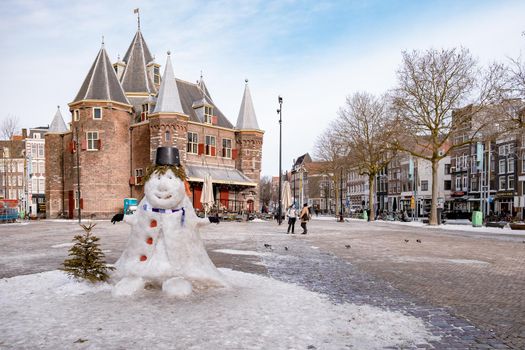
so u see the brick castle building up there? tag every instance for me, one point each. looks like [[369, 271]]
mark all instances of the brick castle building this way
[[122, 113]]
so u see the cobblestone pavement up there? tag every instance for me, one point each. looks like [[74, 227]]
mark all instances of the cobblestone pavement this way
[[467, 287]]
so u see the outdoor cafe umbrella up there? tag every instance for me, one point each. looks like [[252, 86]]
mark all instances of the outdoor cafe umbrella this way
[[207, 199], [286, 195]]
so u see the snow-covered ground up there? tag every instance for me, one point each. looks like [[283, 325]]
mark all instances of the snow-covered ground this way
[[454, 225], [50, 311]]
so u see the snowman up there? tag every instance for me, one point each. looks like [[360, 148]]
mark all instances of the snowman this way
[[164, 247]]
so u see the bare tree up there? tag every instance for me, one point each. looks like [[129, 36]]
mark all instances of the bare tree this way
[[366, 129], [9, 127], [265, 188], [331, 154], [431, 86]]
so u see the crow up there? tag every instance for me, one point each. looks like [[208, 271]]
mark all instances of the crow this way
[[117, 217], [285, 248], [267, 246], [406, 241], [348, 246], [214, 219], [418, 240]]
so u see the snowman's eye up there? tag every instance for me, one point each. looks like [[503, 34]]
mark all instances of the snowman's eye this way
[[170, 177], [158, 177]]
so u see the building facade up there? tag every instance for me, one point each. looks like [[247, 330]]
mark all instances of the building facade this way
[[122, 113]]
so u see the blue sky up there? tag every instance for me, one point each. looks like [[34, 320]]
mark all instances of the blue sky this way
[[313, 53]]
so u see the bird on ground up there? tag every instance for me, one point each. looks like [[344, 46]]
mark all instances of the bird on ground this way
[[285, 248], [117, 217], [348, 246], [267, 246], [418, 240], [406, 240]]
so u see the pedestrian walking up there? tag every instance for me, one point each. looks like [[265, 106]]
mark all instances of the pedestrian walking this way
[[304, 216], [292, 217]]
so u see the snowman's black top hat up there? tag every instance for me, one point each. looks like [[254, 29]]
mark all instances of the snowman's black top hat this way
[[167, 156]]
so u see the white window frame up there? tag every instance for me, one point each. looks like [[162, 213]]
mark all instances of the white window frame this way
[[208, 113], [227, 150], [501, 168], [192, 145], [76, 198], [95, 109], [208, 144], [510, 182], [510, 165], [76, 115], [458, 183], [465, 183], [91, 144], [501, 183], [523, 162]]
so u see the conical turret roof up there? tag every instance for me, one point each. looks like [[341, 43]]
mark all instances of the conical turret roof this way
[[101, 82], [168, 100], [57, 125], [135, 77], [247, 118]]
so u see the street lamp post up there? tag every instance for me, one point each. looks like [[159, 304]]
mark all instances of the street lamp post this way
[[280, 111], [341, 198]]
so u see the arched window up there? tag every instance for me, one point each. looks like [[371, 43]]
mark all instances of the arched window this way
[[167, 136]]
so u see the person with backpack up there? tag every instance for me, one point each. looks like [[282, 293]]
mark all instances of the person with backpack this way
[[304, 216]]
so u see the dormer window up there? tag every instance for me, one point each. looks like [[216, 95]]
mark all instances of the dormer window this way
[[97, 113], [145, 111], [208, 112], [156, 75]]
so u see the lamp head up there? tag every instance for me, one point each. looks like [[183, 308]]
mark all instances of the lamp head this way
[[280, 98]]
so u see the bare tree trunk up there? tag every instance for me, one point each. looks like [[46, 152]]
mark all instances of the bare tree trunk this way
[[433, 205], [371, 194]]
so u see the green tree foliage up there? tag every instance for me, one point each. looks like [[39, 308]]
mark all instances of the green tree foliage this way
[[86, 259]]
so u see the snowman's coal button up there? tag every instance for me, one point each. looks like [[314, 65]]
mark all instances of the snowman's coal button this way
[[149, 240], [143, 258], [153, 223]]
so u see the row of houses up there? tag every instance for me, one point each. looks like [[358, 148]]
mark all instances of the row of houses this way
[[22, 167], [485, 176]]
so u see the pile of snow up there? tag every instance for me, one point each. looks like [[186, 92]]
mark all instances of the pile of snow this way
[[48, 310], [257, 220]]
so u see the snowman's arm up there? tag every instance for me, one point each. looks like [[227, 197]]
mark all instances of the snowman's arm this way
[[130, 219]]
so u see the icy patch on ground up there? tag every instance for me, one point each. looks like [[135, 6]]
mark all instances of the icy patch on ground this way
[[239, 252], [63, 245], [257, 312], [435, 260]]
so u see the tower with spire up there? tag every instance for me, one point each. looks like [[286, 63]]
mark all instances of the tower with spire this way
[[90, 169], [123, 112], [249, 141]]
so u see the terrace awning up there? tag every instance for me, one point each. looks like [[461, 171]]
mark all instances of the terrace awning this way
[[226, 176]]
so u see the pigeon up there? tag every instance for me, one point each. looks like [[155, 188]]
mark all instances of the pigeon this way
[[80, 340], [117, 217], [267, 246], [285, 248], [348, 246], [406, 241], [418, 240]]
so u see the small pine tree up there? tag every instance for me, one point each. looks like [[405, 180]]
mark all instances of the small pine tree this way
[[86, 259]]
